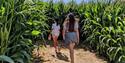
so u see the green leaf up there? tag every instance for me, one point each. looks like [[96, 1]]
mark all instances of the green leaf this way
[[122, 59], [96, 23], [104, 38], [30, 23], [26, 55], [109, 17], [116, 52], [35, 32], [3, 10], [20, 60], [6, 58], [28, 2]]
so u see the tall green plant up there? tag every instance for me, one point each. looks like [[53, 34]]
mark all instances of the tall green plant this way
[[104, 29], [14, 47]]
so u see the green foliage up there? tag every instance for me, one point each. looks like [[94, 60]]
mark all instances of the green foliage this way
[[102, 24], [22, 22], [105, 29], [35, 32], [6, 58], [14, 47]]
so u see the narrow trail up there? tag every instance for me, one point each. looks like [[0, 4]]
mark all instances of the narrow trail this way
[[81, 56]]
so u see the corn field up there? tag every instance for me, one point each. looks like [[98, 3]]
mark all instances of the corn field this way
[[23, 22]]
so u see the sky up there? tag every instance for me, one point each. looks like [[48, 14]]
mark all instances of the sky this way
[[78, 1]]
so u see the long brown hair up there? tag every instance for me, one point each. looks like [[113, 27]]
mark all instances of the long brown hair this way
[[71, 22]]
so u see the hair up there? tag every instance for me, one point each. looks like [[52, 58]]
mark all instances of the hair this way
[[71, 22], [57, 21]]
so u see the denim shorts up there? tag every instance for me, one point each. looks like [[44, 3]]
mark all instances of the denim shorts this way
[[70, 37]]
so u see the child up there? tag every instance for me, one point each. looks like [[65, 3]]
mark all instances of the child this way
[[55, 31]]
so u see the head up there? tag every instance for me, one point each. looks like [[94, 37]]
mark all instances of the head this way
[[52, 21], [57, 21], [71, 21], [71, 16]]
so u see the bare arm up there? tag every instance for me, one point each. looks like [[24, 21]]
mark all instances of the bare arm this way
[[63, 34], [77, 32], [64, 29]]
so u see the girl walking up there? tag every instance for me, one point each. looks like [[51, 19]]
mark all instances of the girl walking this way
[[71, 34], [55, 31]]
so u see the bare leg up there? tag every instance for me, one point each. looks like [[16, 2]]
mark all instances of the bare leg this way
[[55, 43], [71, 49]]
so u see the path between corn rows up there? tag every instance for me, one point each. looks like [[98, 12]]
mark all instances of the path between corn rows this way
[[81, 56]]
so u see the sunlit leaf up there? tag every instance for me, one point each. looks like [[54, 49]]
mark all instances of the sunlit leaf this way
[[35, 32]]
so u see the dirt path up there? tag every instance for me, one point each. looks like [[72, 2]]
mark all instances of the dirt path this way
[[81, 56]]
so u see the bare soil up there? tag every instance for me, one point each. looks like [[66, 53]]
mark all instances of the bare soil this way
[[48, 55]]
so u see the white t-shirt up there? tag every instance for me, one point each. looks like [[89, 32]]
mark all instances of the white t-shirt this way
[[55, 29]]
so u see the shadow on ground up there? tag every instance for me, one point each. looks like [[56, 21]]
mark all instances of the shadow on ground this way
[[62, 56]]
